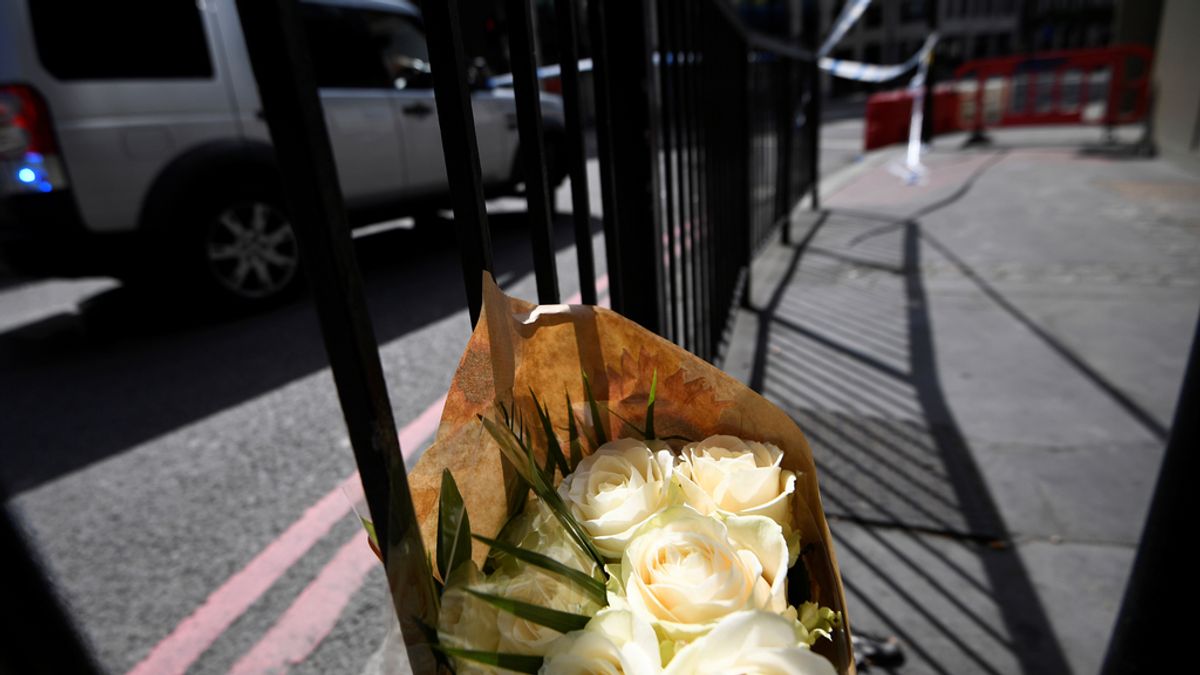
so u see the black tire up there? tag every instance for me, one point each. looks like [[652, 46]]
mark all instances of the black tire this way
[[237, 247]]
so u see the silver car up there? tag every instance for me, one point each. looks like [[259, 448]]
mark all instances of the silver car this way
[[131, 139]]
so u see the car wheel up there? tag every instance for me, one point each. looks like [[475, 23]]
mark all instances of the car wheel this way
[[248, 252]]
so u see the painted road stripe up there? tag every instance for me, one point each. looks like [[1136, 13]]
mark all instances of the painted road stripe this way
[[311, 618], [315, 612], [195, 634]]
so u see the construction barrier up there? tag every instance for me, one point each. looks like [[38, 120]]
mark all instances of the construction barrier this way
[[1107, 86]]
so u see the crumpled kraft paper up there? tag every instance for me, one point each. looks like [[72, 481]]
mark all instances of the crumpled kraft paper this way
[[517, 346]]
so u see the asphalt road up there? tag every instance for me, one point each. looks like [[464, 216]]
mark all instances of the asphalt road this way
[[179, 472]]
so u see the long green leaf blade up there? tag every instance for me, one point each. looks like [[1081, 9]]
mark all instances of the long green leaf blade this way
[[454, 528], [504, 437], [650, 407], [573, 436], [554, 451], [545, 491], [563, 622], [591, 585], [597, 424], [520, 663]]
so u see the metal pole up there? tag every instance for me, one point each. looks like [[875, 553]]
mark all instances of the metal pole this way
[[456, 120], [280, 57], [533, 147], [1163, 573], [598, 29], [927, 119], [634, 163], [576, 148], [812, 110]]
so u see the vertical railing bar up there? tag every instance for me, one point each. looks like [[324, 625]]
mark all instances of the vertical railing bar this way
[[699, 91], [602, 98], [667, 193], [682, 172], [630, 83], [523, 57], [456, 122], [576, 147], [812, 112], [742, 62], [281, 62]]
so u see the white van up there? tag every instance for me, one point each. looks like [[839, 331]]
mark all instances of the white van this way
[[132, 144]]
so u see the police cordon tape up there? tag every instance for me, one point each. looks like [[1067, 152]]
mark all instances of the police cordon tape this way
[[870, 72], [849, 16]]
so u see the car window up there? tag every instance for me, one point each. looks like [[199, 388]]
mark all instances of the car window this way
[[344, 52], [402, 44], [116, 40]]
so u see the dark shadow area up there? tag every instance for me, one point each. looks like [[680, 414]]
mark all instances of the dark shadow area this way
[[845, 345], [130, 366]]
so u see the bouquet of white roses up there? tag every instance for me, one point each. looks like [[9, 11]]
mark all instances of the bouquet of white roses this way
[[652, 517]]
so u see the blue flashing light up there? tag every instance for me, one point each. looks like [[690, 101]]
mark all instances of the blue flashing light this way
[[27, 175]]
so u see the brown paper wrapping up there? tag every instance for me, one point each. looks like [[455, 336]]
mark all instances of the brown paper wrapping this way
[[517, 347]]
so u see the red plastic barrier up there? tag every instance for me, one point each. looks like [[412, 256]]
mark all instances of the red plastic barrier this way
[[1081, 86], [1106, 86], [889, 114]]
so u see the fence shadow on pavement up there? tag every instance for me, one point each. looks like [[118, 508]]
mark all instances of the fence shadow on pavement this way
[[845, 345]]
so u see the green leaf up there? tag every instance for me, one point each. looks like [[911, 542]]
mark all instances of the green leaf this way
[[370, 528], [650, 407], [629, 425], [504, 438], [520, 663], [563, 622], [554, 452], [588, 583], [597, 424], [454, 528], [542, 488], [573, 436]]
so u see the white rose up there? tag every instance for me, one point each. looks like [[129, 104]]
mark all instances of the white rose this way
[[750, 642], [684, 571], [465, 621], [533, 586], [617, 488], [615, 642], [727, 475]]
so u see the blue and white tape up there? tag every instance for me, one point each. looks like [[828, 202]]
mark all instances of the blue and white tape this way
[[870, 72], [849, 16]]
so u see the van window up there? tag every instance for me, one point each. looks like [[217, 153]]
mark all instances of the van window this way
[[117, 40]]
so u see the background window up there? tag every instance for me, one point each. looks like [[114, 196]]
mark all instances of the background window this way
[[114, 40]]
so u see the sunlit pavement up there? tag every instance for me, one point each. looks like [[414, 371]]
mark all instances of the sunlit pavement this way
[[182, 475], [986, 364]]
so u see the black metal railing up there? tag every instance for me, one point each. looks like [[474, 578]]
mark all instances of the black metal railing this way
[[704, 155], [700, 163]]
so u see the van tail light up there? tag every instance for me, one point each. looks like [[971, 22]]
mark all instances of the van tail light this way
[[29, 156]]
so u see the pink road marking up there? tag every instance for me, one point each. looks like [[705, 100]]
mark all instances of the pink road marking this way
[[601, 286], [312, 616], [195, 634]]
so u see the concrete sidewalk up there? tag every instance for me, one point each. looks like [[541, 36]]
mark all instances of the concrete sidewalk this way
[[986, 365]]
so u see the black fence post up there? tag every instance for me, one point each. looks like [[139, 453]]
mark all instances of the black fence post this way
[[532, 146], [786, 121], [456, 120], [635, 221], [1162, 572], [812, 108], [280, 57], [575, 147], [598, 32], [928, 107]]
